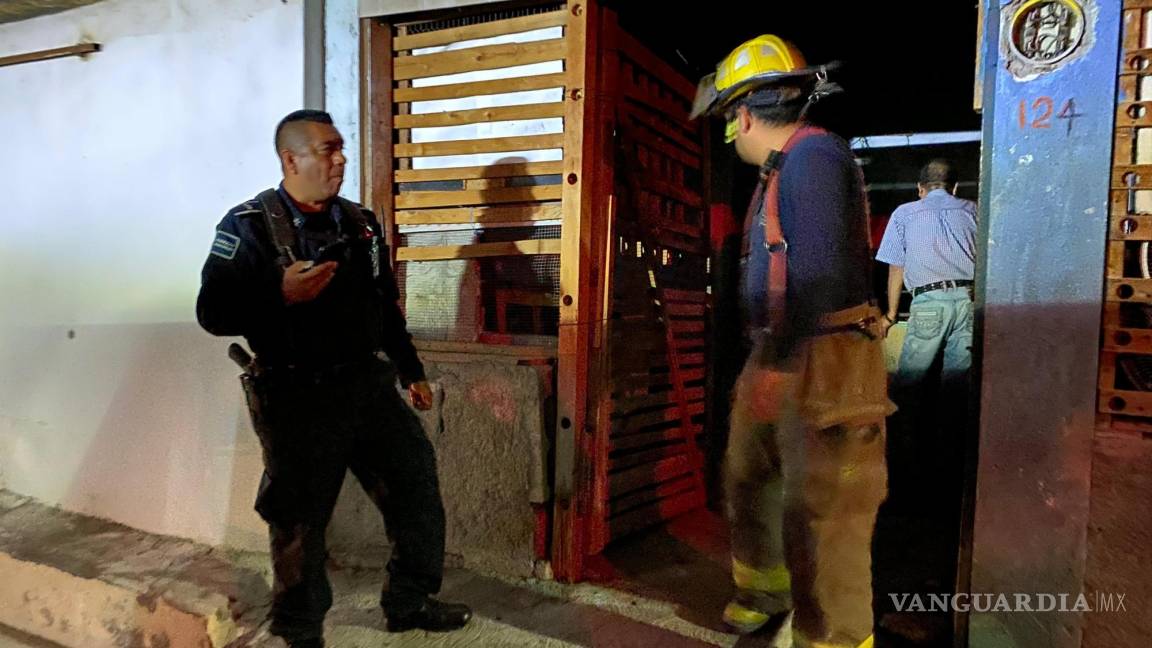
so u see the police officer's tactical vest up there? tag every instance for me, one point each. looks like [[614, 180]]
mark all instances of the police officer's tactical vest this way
[[283, 233]]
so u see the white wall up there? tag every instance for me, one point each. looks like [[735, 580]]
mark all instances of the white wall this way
[[342, 84], [115, 171]]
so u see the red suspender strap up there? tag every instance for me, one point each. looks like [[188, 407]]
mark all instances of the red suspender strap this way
[[773, 233]]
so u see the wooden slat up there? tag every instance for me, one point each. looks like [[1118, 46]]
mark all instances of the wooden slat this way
[[670, 295], [663, 129], [1115, 259], [480, 88], [1142, 177], [682, 243], [402, 136], [376, 182], [1128, 426], [676, 192], [639, 382], [652, 64], [663, 491], [662, 146], [472, 147], [473, 172], [691, 359], [1112, 315], [506, 214], [675, 110], [686, 326], [646, 457], [627, 405], [484, 184], [1133, 290], [487, 57], [1128, 88], [688, 343], [662, 223], [639, 341], [1139, 228], [482, 30], [639, 477], [516, 352], [1134, 114], [579, 492], [1127, 340], [458, 117], [638, 423], [693, 394], [1133, 26], [1132, 403], [656, 512], [1107, 370], [685, 310], [692, 375], [478, 250], [1119, 206], [1138, 4], [425, 199], [1128, 62]]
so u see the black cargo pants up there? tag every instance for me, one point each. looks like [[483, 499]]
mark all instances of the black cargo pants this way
[[313, 426]]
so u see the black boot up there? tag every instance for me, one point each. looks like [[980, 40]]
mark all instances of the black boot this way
[[317, 642], [432, 615]]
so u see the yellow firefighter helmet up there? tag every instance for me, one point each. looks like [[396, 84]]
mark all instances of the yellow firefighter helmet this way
[[756, 63]]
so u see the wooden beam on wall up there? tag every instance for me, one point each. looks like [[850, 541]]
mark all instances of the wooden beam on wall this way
[[376, 123], [82, 49], [580, 236]]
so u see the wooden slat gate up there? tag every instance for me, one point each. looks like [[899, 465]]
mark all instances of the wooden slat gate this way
[[547, 133], [649, 464], [466, 135]]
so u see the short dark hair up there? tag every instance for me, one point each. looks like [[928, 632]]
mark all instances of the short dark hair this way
[[938, 173], [787, 112], [283, 128]]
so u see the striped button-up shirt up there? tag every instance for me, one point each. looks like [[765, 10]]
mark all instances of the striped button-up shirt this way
[[933, 239]]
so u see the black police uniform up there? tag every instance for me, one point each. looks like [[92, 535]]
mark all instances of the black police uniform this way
[[324, 401]]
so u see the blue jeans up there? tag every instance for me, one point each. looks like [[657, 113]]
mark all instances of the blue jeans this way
[[931, 388], [939, 331]]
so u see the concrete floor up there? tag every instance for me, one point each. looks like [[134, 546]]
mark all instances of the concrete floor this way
[[11, 638], [686, 565], [513, 614]]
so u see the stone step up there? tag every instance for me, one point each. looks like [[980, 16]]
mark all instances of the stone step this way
[[82, 582]]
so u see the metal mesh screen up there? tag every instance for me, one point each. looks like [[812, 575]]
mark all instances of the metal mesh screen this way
[[459, 299], [476, 19]]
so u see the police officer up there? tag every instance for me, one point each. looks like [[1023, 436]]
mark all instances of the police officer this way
[[303, 276]]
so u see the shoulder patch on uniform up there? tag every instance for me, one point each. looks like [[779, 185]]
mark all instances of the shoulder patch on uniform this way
[[225, 245]]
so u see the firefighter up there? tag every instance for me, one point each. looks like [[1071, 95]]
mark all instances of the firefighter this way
[[804, 468]]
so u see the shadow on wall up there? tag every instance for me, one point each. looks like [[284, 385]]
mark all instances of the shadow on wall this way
[[488, 420]]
